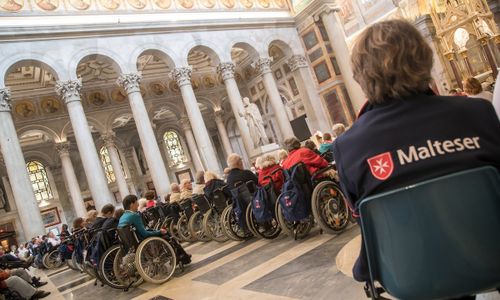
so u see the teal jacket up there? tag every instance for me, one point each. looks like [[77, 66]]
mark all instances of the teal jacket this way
[[324, 147], [134, 219]]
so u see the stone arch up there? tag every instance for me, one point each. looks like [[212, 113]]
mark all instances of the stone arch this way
[[208, 103], [39, 128], [288, 44], [208, 47], [108, 125], [117, 62], [45, 159], [252, 51], [38, 60], [91, 121], [170, 106], [168, 55]]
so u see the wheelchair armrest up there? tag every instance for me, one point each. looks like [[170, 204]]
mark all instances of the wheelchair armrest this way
[[320, 171]]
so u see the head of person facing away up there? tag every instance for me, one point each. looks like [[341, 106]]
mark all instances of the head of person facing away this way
[[391, 60], [174, 187], [234, 161], [107, 210], [199, 177], [130, 203]]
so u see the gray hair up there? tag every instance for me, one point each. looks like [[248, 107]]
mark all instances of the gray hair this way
[[234, 161], [292, 143], [338, 129], [267, 160], [199, 177]]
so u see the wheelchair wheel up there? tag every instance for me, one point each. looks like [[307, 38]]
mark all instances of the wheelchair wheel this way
[[297, 230], [183, 230], [268, 230], [232, 227], [52, 259], [212, 226], [195, 226], [225, 224], [329, 207], [155, 260], [106, 268], [172, 225], [75, 262], [125, 271], [71, 264]]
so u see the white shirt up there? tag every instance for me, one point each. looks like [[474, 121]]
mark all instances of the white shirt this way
[[53, 241]]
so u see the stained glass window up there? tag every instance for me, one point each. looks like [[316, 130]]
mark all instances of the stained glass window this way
[[106, 163], [39, 180], [174, 147]]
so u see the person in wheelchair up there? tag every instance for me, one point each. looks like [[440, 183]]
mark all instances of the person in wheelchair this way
[[405, 133], [112, 223], [212, 183], [186, 189], [175, 194], [269, 173], [237, 173], [297, 154], [131, 217]]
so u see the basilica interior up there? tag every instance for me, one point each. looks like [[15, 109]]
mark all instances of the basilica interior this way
[[105, 98]]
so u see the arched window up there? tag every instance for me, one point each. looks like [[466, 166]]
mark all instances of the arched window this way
[[106, 162], [39, 180], [174, 147]]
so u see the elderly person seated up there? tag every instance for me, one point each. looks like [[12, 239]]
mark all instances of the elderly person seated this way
[[199, 180], [186, 189], [237, 173], [392, 62], [175, 194], [338, 129], [212, 183], [474, 89], [282, 155], [268, 166], [150, 198], [19, 281], [296, 154]]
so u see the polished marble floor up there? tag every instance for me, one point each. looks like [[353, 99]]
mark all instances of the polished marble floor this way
[[317, 267]]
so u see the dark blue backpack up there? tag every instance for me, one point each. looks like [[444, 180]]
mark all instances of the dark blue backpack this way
[[262, 207], [241, 198], [293, 200]]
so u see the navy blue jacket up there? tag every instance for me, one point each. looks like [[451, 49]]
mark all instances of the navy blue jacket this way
[[420, 137]]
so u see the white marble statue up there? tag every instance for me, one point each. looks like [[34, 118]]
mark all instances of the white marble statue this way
[[255, 124]]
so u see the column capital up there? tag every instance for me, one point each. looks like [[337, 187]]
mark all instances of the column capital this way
[[263, 65], [296, 62], [62, 148], [325, 10], [109, 139], [185, 124], [69, 90], [130, 82], [219, 115], [226, 70], [182, 75], [5, 102]]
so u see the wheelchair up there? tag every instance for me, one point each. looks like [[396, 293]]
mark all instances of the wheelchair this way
[[233, 217], [171, 215], [182, 225], [269, 229], [153, 217], [8, 294], [212, 221], [326, 204], [195, 224], [152, 260], [52, 259], [105, 265]]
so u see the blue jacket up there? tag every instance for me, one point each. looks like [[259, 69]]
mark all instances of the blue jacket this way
[[134, 219], [324, 147], [414, 139]]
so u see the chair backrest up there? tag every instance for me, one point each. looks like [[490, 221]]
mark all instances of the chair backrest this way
[[187, 207], [219, 200], [128, 238], [436, 239], [201, 202]]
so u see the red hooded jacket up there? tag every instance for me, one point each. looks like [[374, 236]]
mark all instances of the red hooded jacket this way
[[313, 161], [277, 177]]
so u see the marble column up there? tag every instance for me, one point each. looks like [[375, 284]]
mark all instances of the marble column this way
[[337, 39], [219, 120], [263, 66], [69, 91], [15, 164], [207, 152], [227, 72], [130, 83], [312, 102], [114, 157], [71, 180], [191, 143], [451, 59]]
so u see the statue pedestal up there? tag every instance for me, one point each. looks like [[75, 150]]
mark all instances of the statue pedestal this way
[[263, 150]]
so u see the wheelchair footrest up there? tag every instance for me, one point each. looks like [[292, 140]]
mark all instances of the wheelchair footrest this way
[[378, 291]]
